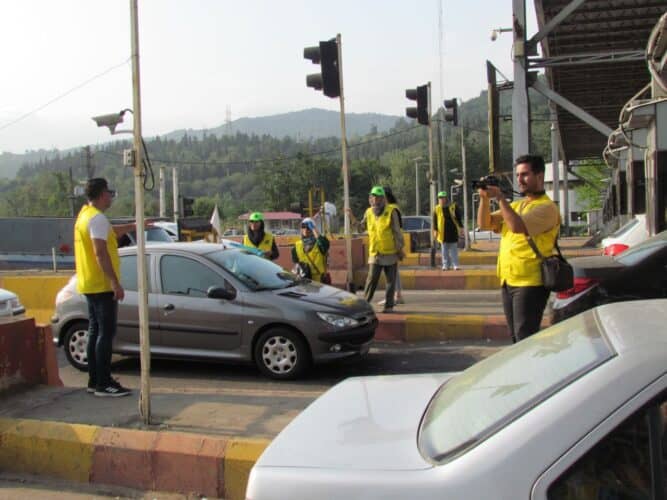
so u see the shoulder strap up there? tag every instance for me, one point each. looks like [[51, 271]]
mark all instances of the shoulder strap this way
[[537, 252]]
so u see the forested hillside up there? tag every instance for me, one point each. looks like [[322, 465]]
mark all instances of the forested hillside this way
[[245, 172]]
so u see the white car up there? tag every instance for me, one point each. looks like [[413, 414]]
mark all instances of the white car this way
[[575, 411], [170, 227], [629, 234], [10, 305]]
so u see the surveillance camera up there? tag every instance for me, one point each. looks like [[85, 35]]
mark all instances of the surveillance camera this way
[[110, 120], [494, 35]]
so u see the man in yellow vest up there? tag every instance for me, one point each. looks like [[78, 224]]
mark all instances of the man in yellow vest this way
[[446, 229], [257, 237], [535, 216], [385, 245], [98, 279], [312, 250]]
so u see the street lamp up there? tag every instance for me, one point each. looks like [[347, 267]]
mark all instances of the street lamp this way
[[417, 204]]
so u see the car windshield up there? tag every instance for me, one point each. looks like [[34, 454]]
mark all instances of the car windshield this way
[[257, 273], [639, 252], [492, 393], [624, 228]]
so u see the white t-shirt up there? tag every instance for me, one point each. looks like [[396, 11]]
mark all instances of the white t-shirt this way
[[99, 227]]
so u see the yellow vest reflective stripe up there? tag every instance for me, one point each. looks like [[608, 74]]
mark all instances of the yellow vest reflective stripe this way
[[315, 259], [380, 236], [89, 275], [265, 245], [440, 218], [517, 263]]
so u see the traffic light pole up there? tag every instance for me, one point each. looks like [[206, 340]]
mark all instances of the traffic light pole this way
[[464, 168], [346, 174], [431, 176], [139, 175]]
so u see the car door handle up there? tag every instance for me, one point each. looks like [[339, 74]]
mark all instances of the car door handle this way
[[169, 307]]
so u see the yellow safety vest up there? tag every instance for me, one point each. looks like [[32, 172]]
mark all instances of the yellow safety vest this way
[[380, 236], [517, 263], [440, 218], [265, 245], [89, 275], [316, 260]]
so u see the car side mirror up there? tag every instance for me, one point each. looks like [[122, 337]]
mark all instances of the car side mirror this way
[[218, 292]]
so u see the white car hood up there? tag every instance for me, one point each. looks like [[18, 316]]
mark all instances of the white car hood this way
[[363, 423]]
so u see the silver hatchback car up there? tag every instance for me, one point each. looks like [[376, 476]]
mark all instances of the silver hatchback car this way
[[214, 303]]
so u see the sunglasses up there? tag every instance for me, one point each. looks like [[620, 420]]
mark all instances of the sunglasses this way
[[112, 192]]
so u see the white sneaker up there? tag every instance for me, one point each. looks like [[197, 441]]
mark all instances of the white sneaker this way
[[382, 302], [456, 268]]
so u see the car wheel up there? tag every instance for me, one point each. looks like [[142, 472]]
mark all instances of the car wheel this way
[[76, 345], [281, 354]]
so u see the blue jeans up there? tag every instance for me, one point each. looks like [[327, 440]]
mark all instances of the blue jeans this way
[[450, 255], [103, 316]]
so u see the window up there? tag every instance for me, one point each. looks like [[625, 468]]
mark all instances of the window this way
[[128, 273], [619, 466], [184, 276], [501, 388]]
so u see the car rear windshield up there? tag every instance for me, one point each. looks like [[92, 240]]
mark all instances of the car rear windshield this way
[[478, 402], [624, 228], [643, 250]]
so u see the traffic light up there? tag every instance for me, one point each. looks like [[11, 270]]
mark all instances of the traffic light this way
[[420, 94], [188, 203], [326, 55], [452, 111]]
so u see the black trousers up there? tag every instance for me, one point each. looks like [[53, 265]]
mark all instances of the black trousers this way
[[524, 307]]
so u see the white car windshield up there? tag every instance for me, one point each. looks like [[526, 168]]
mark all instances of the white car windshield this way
[[257, 273], [492, 393]]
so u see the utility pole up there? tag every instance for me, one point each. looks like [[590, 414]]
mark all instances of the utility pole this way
[[163, 201], [417, 200], [465, 189], [71, 192], [90, 168], [174, 180], [144, 334], [431, 180]]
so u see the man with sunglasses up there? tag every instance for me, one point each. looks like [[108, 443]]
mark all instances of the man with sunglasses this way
[[97, 272]]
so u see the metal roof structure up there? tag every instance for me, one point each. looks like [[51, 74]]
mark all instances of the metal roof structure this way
[[594, 58]]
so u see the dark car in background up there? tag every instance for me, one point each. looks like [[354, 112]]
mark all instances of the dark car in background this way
[[209, 302], [419, 227], [640, 272]]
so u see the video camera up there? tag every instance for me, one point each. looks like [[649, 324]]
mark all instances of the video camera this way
[[489, 180]]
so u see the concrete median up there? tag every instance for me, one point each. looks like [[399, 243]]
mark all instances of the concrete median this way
[[146, 460]]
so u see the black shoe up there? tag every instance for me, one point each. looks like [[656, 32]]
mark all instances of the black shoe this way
[[113, 390]]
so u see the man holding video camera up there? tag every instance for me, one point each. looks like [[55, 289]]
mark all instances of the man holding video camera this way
[[535, 216]]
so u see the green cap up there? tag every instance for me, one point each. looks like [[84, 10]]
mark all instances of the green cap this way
[[442, 194], [377, 191], [256, 216]]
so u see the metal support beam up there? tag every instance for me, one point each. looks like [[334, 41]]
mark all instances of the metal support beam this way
[[587, 58], [572, 108], [520, 102], [555, 21]]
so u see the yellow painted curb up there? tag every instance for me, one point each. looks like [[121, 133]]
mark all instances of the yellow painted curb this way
[[481, 279], [52, 448], [240, 456], [449, 327]]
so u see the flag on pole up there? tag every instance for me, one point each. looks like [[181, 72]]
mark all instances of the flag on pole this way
[[215, 222]]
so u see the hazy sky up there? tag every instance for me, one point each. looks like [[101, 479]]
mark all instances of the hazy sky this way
[[198, 57]]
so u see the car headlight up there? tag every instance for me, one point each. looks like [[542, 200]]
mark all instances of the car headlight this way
[[337, 320]]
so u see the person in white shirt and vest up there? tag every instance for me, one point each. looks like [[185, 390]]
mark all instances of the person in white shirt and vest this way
[[97, 274], [446, 230], [535, 216], [312, 250], [385, 245], [257, 237]]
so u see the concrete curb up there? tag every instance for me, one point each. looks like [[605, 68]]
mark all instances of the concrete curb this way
[[145, 460], [420, 327]]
